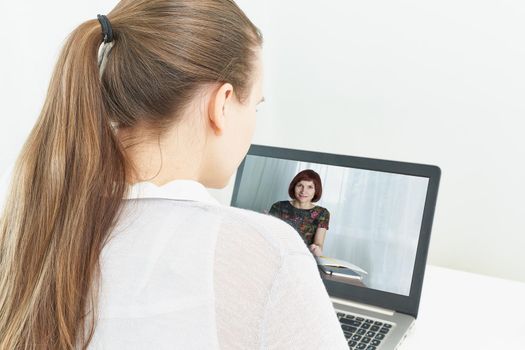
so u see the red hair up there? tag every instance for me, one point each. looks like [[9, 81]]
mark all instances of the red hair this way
[[307, 175]]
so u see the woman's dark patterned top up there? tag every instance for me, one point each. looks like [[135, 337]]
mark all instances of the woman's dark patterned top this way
[[305, 221]]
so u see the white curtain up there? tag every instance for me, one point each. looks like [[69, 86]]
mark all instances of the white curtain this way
[[375, 217]]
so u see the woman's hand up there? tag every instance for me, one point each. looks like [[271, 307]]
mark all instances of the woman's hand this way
[[315, 249]]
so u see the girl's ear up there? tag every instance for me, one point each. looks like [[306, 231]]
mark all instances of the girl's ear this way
[[220, 102]]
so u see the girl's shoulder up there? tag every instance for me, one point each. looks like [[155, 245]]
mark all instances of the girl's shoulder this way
[[274, 231]]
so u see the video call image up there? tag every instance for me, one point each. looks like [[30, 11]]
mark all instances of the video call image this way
[[362, 226]]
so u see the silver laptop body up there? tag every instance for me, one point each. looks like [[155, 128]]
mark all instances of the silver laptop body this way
[[401, 323]]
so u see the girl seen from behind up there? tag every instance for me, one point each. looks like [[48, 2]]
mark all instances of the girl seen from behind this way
[[108, 237]]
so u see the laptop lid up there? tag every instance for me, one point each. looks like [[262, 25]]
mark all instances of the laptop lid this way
[[380, 215]]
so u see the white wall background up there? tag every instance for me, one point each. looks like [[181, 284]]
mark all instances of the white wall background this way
[[432, 82]]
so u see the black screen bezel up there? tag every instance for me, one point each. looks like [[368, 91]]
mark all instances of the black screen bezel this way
[[405, 304]]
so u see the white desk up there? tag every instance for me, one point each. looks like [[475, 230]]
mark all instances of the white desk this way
[[489, 313]]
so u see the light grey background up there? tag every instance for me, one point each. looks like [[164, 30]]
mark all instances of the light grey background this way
[[439, 82], [375, 217]]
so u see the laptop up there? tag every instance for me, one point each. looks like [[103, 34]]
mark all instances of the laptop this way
[[377, 216]]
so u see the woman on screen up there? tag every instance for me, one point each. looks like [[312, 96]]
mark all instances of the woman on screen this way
[[109, 238], [309, 220]]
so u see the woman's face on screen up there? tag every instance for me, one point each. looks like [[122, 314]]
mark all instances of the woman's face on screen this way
[[304, 191]]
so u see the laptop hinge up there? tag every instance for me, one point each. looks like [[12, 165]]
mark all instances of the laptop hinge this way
[[363, 306]]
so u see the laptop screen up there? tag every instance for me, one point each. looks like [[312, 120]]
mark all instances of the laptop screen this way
[[362, 223]]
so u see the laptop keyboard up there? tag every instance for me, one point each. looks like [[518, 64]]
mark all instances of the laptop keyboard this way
[[363, 333]]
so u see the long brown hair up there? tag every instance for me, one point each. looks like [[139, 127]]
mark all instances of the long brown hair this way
[[70, 178]]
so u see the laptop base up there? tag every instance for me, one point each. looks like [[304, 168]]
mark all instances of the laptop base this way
[[401, 323]]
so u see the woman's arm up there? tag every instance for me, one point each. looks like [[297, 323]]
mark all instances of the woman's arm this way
[[317, 247]]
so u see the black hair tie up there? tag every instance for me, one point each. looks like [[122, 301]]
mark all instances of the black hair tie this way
[[107, 31]]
